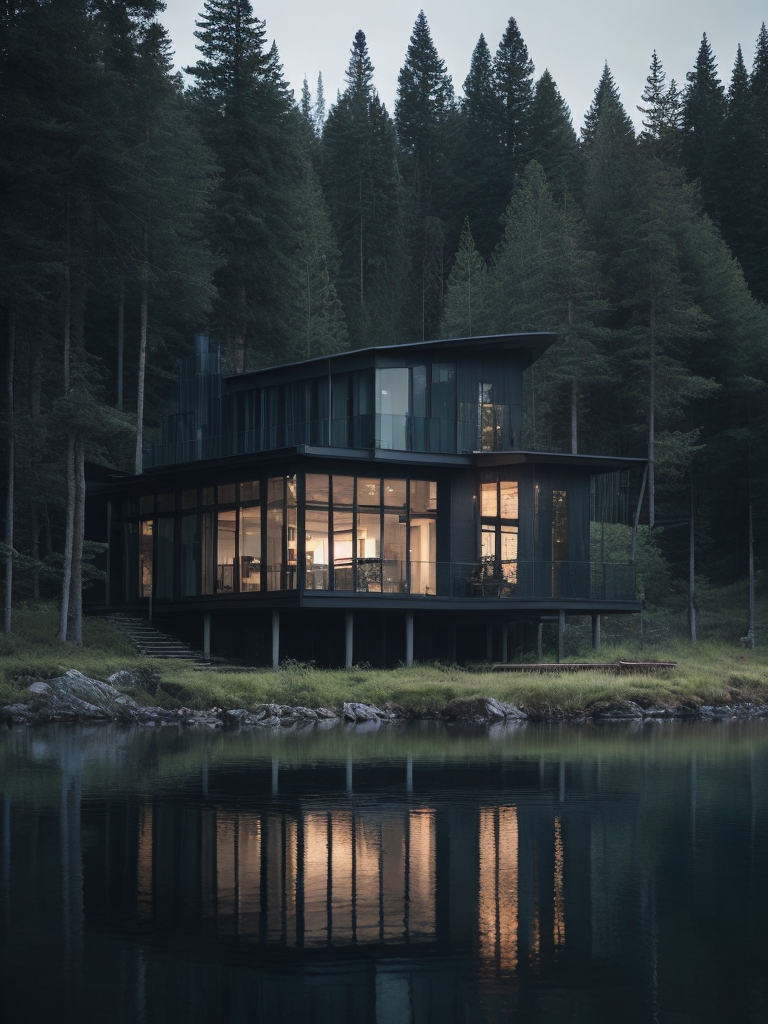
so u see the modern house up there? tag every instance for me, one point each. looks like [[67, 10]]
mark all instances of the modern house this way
[[373, 506]]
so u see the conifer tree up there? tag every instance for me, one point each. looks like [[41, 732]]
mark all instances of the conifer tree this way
[[424, 103], [513, 77], [661, 323], [606, 106], [423, 107], [662, 122], [465, 312], [704, 108], [545, 276], [478, 153], [318, 327], [319, 108], [364, 192], [552, 141], [247, 117], [610, 152]]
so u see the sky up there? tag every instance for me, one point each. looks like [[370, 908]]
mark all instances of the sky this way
[[572, 40]]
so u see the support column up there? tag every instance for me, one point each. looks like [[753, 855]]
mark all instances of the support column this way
[[207, 636], [409, 638], [488, 642], [560, 635], [505, 644], [596, 632], [540, 641], [275, 639], [349, 640]]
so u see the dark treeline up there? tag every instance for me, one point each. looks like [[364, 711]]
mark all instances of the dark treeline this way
[[135, 212]]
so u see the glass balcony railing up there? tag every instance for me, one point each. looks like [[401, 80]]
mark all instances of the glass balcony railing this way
[[369, 431], [576, 581]]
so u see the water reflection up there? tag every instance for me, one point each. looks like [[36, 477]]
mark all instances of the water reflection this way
[[167, 878]]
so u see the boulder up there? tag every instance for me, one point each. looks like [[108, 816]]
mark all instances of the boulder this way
[[75, 696], [482, 710], [16, 714], [615, 710], [353, 712]]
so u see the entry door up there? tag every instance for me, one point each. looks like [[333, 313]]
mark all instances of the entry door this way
[[146, 556]]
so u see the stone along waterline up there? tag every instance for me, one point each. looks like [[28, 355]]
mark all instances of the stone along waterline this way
[[543, 872]]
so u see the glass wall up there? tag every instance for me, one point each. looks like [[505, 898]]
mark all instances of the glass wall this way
[[370, 534]]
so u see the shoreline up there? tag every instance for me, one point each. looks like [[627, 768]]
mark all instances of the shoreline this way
[[76, 698]]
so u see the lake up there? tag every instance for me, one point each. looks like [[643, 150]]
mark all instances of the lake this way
[[545, 873]]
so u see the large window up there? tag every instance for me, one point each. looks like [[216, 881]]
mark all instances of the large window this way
[[370, 534], [499, 513], [354, 533], [491, 418], [416, 408]]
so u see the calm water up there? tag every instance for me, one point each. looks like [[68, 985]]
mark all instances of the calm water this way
[[542, 874]]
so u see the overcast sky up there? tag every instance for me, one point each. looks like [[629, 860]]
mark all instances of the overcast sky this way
[[572, 40]]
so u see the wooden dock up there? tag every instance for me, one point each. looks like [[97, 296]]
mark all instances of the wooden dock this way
[[617, 667]]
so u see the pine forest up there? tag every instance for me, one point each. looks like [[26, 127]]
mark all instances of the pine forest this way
[[140, 207]]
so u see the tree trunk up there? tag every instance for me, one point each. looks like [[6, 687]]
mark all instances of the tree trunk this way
[[35, 406], [362, 302], [10, 434], [120, 345], [68, 537], [692, 566], [652, 424], [637, 515], [70, 511], [77, 545], [139, 460], [751, 630]]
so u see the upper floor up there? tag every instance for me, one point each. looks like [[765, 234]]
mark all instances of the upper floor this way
[[454, 396]]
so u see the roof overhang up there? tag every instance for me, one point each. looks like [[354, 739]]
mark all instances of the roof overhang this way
[[596, 463], [531, 345]]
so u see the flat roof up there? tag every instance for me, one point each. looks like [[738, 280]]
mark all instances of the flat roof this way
[[536, 343]]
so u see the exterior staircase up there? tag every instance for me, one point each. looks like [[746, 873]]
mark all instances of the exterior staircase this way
[[154, 643]]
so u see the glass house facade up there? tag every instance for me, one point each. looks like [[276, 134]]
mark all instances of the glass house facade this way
[[383, 489]]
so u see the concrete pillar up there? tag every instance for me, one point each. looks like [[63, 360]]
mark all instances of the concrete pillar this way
[[207, 636], [505, 644], [560, 635], [275, 639], [349, 637], [409, 638], [595, 632]]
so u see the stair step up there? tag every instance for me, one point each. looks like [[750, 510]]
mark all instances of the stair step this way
[[153, 643]]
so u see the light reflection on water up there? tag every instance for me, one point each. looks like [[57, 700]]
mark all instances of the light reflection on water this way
[[538, 874]]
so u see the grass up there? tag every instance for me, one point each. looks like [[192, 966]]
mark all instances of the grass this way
[[715, 672]]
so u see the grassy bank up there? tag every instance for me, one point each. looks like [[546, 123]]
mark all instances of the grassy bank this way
[[711, 673]]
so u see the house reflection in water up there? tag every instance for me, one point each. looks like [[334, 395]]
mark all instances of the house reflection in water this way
[[318, 877]]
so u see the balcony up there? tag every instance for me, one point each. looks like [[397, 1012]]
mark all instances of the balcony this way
[[487, 580]]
